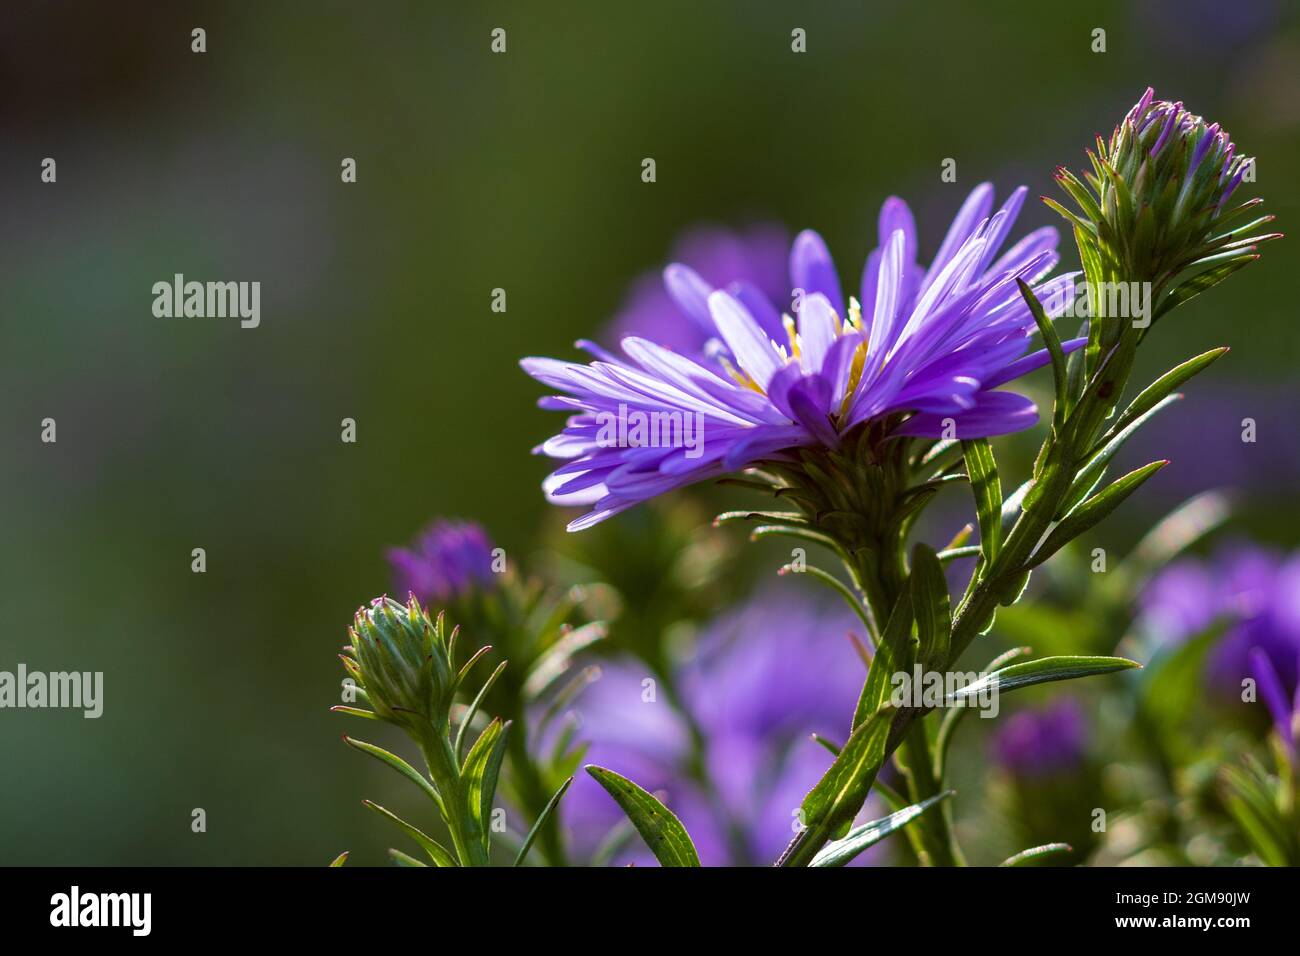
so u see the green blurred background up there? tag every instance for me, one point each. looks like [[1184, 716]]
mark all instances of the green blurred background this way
[[475, 171]]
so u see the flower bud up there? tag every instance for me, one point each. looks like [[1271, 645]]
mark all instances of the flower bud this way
[[1156, 201], [398, 658]]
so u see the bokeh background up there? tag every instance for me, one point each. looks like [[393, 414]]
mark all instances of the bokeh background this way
[[475, 171]]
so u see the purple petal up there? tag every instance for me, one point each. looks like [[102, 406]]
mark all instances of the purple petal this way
[[813, 270], [752, 348], [995, 413]]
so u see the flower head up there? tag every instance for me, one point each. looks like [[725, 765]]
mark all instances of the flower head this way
[[450, 558], [1034, 744], [920, 354]]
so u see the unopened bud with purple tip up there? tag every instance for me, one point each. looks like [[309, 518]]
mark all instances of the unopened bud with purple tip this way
[[1155, 205]]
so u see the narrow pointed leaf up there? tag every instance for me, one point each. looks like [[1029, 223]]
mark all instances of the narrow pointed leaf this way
[[437, 852], [1092, 511], [1041, 671], [931, 605], [1054, 350], [480, 772], [1160, 389], [860, 838], [896, 652], [983, 472], [1091, 473], [340, 859], [658, 826], [398, 764], [839, 795], [1037, 855], [354, 712], [472, 709], [541, 821], [1198, 284], [403, 859]]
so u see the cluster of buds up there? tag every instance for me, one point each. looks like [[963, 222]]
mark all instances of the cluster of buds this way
[[1156, 202]]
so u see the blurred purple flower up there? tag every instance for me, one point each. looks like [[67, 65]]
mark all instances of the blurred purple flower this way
[[764, 678], [1284, 708], [1034, 744], [932, 343], [1255, 591], [449, 559], [753, 258]]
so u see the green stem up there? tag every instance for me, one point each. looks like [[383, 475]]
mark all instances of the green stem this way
[[465, 836], [881, 581], [884, 575], [937, 837]]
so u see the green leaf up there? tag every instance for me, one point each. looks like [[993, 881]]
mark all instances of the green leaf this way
[[1037, 855], [468, 718], [354, 712], [480, 771], [398, 764], [1091, 474], [437, 852], [1159, 390], [402, 859], [661, 830], [931, 605], [948, 555], [340, 859], [830, 745], [541, 821], [839, 795], [860, 838], [792, 518], [1042, 671], [1198, 284], [1053, 343], [1092, 511], [895, 652], [983, 472]]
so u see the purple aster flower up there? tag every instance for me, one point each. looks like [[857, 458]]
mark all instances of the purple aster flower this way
[[450, 558], [1034, 744], [750, 259], [762, 679], [1257, 593], [921, 354]]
